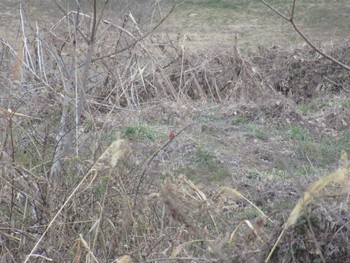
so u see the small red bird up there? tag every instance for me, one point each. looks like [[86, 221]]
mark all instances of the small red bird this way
[[171, 134]]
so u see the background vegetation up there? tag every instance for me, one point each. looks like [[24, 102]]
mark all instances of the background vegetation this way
[[142, 131]]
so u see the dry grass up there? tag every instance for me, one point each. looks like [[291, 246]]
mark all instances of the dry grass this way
[[223, 187], [206, 23], [341, 176]]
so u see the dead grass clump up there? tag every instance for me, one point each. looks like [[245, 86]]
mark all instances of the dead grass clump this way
[[125, 74], [217, 75], [321, 234], [107, 210], [338, 119], [302, 74], [340, 177], [180, 207]]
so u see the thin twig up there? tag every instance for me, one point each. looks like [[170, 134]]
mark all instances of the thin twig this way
[[337, 84], [91, 172], [306, 39], [136, 40], [146, 162]]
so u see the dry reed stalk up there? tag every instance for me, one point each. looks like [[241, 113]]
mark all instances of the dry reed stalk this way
[[9, 113], [85, 244], [76, 249], [176, 250], [250, 225], [16, 72], [124, 259], [339, 176], [179, 207], [111, 154], [228, 191]]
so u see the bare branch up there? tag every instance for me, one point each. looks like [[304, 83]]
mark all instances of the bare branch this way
[[293, 9], [136, 40], [94, 22], [335, 61], [306, 39], [101, 14], [275, 10], [66, 14]]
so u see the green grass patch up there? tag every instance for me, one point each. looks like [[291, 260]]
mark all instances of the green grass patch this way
[[295, 133], [204, 157], [324, 153], [306, 170], [345, 103], [222, 4], [251, 214], [273, 173], [229, 4], [89, 124], [299, 134], [204, 167], [284, 205], [238, 120], [312, 107], [258, 132], [254, 175], [140, 133], [207, 117]]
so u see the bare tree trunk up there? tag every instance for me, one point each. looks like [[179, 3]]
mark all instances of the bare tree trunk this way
[[72, 112], [64, 136]]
